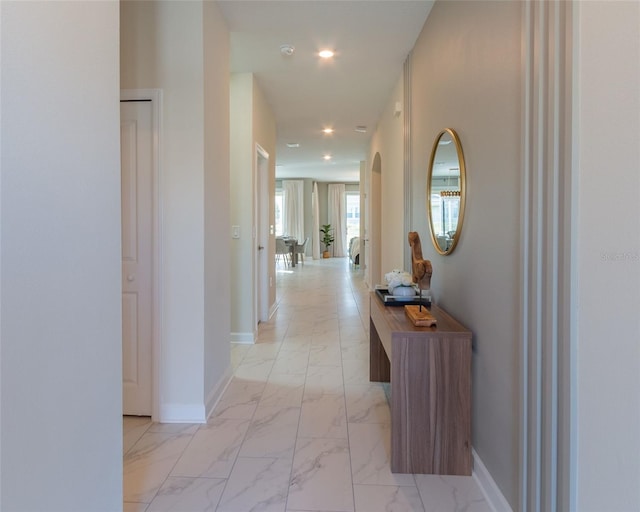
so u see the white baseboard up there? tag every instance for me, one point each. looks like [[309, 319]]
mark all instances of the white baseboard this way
[[195, 413], [491, 491], [243, 337], [217, 391], [182, 413]]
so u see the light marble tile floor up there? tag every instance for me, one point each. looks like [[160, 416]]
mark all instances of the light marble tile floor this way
[[299, 428]]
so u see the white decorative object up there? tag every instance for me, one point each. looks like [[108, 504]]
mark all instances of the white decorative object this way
[[404, 291], [400, 283]]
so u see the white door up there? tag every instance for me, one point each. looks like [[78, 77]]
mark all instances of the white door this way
[[136, 135]]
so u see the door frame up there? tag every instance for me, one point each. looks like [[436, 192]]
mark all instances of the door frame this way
[[261, 223], [373, 239], [155, 97]]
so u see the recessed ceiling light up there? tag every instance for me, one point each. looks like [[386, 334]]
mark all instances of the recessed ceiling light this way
[[327, 157], [287, 50], [293, 145], [361, 129], [326, 54], [328, 130]]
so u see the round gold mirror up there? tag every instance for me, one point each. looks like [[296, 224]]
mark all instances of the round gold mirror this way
[[446, 191]]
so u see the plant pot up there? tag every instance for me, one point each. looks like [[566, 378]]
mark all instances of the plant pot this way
[[326, 254]]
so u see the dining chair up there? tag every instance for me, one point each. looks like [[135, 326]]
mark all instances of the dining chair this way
[[282, 250], [301, 248]]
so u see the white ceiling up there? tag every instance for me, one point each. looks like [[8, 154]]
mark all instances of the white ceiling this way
[[372, 39]]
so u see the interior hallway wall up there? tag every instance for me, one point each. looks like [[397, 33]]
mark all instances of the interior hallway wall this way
[[466, 75], [217, 210], [607, 97], [60, 284], [242, 156], [265, 134], [252, 122], [163, 46], [388, 141]]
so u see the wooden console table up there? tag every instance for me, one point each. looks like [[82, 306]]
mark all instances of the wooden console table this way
[[430, 373]]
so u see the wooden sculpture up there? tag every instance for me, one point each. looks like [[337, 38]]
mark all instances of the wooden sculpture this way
[[420, 268], [421, 271]]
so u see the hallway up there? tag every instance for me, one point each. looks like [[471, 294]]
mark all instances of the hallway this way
[[299, 428]]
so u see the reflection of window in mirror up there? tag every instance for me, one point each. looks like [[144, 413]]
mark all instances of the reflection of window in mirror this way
[[445, 205], [279, 212]]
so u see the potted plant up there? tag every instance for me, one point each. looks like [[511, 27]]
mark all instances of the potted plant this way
[[327, 239]]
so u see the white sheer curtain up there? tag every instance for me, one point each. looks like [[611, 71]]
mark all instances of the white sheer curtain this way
[[293, 224], [337, 217], [315, 234]]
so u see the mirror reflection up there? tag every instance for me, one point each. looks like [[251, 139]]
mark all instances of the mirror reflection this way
[[446, 191]]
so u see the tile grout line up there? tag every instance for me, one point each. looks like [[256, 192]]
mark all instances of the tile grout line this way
[[297, 309], [244, 437], [295, 443], [346, 414]]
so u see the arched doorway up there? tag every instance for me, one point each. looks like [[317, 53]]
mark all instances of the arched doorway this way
[[375, 222]]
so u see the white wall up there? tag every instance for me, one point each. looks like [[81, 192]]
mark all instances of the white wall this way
[[388, 140], [61, 426], [163, 46], [608, 344], [252, 122], [217, 318], [466, 76], [242, 328], [264, 134]]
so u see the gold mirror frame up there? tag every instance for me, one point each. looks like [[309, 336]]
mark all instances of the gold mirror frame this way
[[462, 190]]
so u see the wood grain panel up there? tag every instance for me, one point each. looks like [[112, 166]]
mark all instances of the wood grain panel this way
[[430, 390], [383, 327], [379, 365]]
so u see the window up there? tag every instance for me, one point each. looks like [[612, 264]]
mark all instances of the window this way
[[353, 215], [279, 213], [444, 214]]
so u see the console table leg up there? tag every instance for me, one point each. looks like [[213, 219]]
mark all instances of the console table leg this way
[[379, 364]]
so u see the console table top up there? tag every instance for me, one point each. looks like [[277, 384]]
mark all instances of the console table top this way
[[398, 321]]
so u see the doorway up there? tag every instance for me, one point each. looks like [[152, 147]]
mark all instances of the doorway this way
[[375, 223], [262, 198]]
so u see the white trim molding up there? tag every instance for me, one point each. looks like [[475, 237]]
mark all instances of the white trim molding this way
[[182, 413], [217, 392], [547, 265], [488, 486], [243, 337]]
